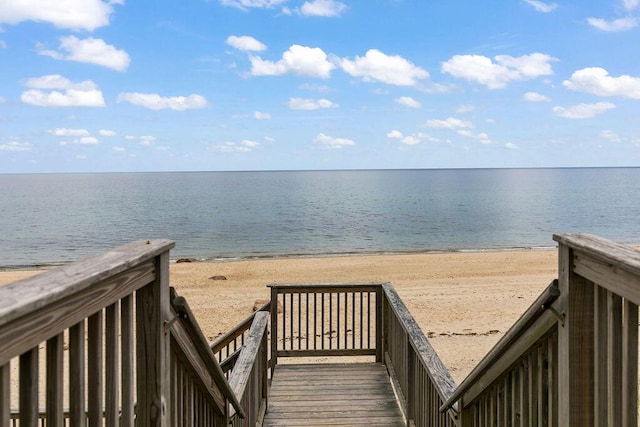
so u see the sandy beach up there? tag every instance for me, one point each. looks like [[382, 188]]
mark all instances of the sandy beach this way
[[464, 302]]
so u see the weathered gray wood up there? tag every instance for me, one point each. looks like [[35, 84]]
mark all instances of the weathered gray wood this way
[[612, 277], [575, 344], [274, 328], [5, 395], [29, 295], [600, 357], [55, 393], [95, 379], [614, 358], [336, 396], [527, 330], [48, 320], [250, 352], [324, 287], [438, 373], [112, 407], [28, 395], [127, 357], [76, 375], [630, 365], [194, 342], [152, 352], [237, 330]]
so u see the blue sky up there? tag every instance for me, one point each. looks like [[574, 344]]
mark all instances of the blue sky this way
[[99, 86]]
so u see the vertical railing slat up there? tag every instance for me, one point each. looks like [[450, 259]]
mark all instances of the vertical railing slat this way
[[5, 394], [601, 345], [112, 408], [28, 394], [94, 362], [614, 358], [55, 394], [77, 375], [630, 365], [127, 357]]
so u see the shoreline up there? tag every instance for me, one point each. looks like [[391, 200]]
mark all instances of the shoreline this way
[[464, 302]]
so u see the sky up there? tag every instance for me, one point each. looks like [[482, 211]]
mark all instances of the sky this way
[[214, 85]]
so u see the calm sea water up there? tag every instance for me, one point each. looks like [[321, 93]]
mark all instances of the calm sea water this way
[[51, 219]]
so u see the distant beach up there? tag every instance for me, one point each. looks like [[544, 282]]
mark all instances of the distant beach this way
[[464, 302]]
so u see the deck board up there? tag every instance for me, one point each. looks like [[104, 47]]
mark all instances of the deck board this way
[[332, 394]]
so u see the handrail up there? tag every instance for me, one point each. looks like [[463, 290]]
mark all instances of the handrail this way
[[251, 364], [438, 373], [541, 304], [199, 341], [244, 324]]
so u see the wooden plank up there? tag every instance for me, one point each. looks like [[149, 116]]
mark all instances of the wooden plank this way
[[30, 295], [127, 358], [95, 380], [600, 356], [630, 365], [28, 394], [614, 358], [327, 352], [362, 395], [311, 288], [76, 375], [612, 277], [274, 328], [575, 345], [5, 395], [21, 334], [112, 404], [152, 352], [55, 393]]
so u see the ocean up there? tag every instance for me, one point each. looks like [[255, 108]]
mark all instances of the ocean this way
[[50, 219]]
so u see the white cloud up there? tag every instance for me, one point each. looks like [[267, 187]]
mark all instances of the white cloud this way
[[147, 140], [3, 100], [511, 146], [310, 104], [330, 142], [461, 109], [324, 8], [535, 97], [92, 51], [597, 81], [69, 132], [631, 4], [258, 115], [542, 6], [246, 43], [119, 149], [482, 137], [395, 134], [250, 4], [583, 111], [389, 69], [153, 101], [408, 101], [450, 123], [496, 75], [105, 132], [70, 14], [611, 136], [299, 60], [411, 140], [620, 24], [3, 45], [68, 94], [16, 146], [235, 147], [85, 140]]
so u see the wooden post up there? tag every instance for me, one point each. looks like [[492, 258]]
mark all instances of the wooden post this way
[[575, 344], [153, 382], [5, 395], [379, 325], [274, 328]]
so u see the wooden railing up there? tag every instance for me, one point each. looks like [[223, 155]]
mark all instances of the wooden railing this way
[[572, 359], [326, 320], [116, 349], [421, 380], [227, 347], [364, 320], [249, 377]]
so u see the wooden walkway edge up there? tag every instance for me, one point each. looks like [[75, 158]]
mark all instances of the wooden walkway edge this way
[[332, 394]]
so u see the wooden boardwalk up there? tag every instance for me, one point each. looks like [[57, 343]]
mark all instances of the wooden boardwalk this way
[[332, 394]]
